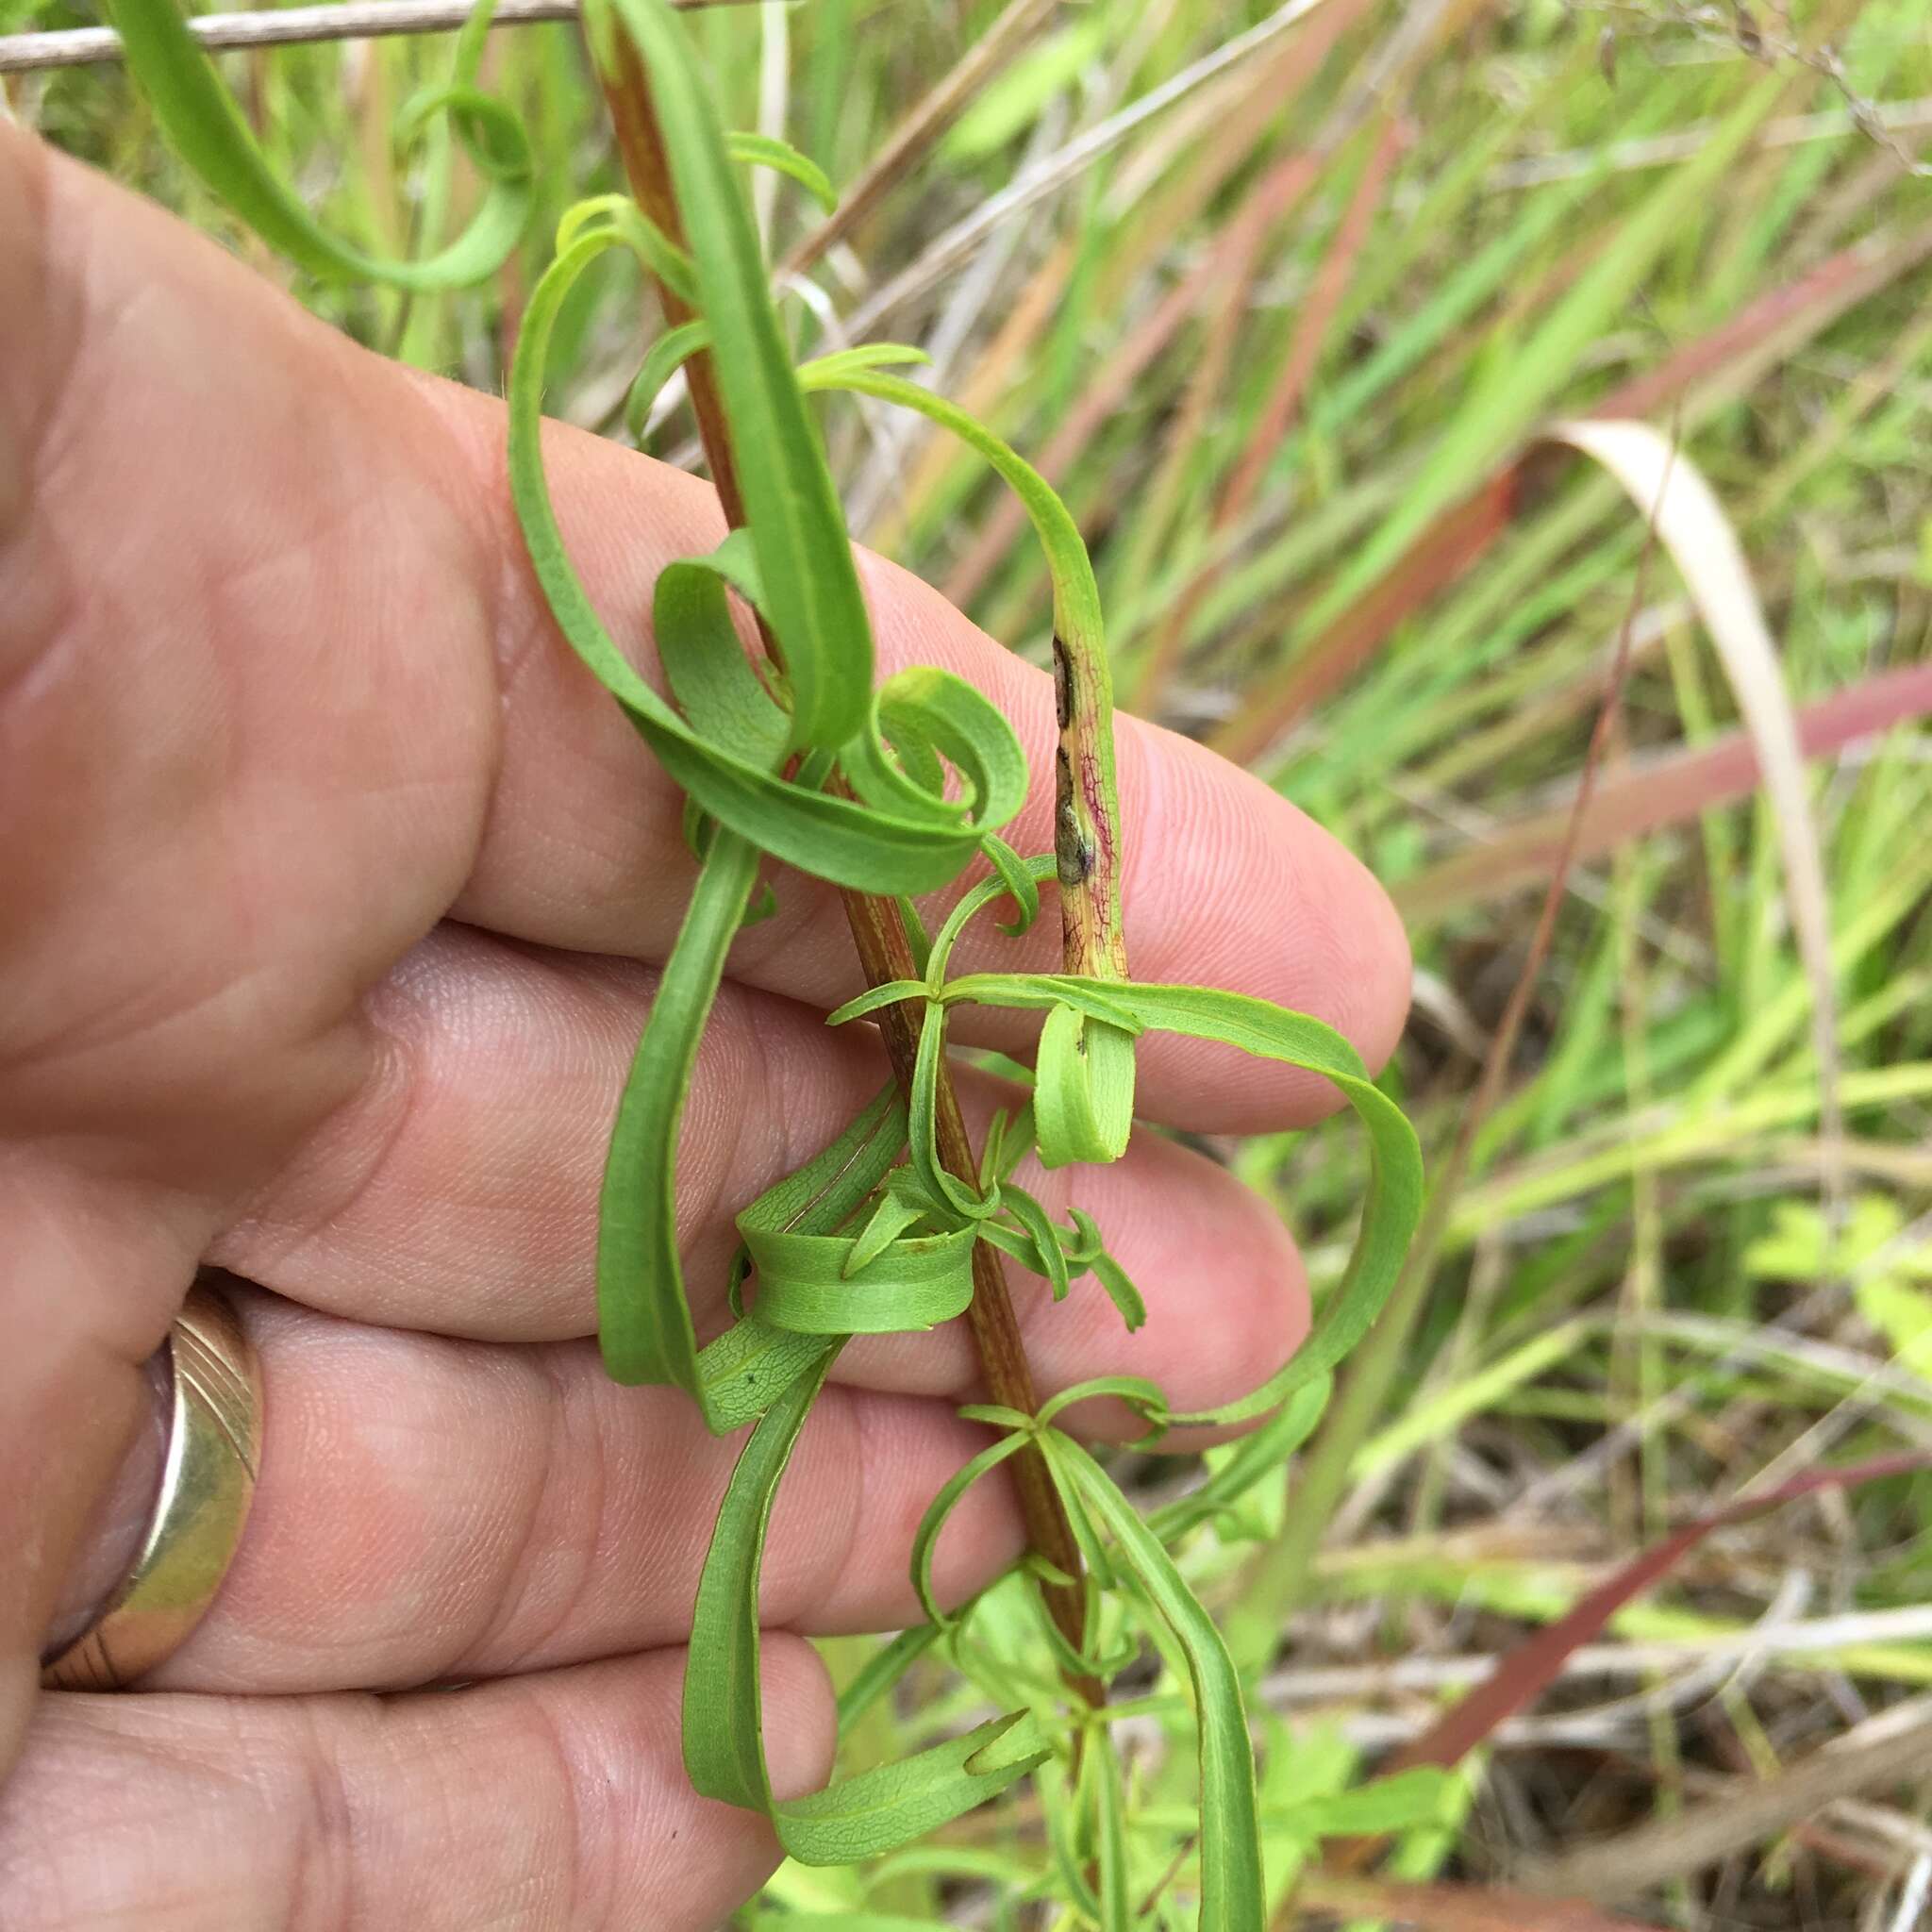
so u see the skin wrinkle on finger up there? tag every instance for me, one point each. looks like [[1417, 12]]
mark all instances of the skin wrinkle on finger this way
[[553, 1803], [413, 1522]]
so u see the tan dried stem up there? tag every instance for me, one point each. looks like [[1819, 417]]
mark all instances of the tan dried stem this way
[[913, 137]]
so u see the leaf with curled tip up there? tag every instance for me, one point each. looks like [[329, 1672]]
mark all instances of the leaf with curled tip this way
[[206, 128], [1393, 1202], [901, 839], [768, 151]]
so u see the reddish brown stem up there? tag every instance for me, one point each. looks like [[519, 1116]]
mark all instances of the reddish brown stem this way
[[648, 170], [886, 954], [884, 951]]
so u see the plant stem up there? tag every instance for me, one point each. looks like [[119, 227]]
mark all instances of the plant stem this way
[[642, 144], [877, 933], [885, 954]]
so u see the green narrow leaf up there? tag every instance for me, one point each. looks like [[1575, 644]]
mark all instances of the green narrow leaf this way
[[1049, 1258], [922, 1142], [1232, 1895], [768, 151], [837, 838], [858, 1817], [1102, 1765], [713, 681], [1083, 1095], [1077, 596], [643, 1316], [620, 216], [805, 1282], [1137, 1392], [747, 1367], [882, 1670], [875, 998], [952, 1492], [666, 357], [813, 603], [1019, 882], [206, 128], [898, 1210], [1255, 1457], [1120, 1289], [1393, 1202], [1087, 835], [724, 1713], [830, 370]]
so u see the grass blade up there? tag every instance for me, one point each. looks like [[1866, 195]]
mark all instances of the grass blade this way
[[1693, 527]]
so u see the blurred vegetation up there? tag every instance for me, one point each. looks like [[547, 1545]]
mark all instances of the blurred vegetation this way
[[1281, 344]]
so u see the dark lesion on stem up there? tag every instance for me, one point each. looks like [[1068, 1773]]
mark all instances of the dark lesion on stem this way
[[1086, 861]]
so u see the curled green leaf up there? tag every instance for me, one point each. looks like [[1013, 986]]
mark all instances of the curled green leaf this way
[[813, 603], [665, 358], [205, 126], [1087, 833], [831, 370], [807, 1284], [916, 846], [1143, 1396], [1393, 1202], [768, 151], [621, 216], [1083, 1090], [952, 1492], [1255, 1457]]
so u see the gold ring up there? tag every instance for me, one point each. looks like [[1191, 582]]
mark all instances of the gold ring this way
[[214, 1449]]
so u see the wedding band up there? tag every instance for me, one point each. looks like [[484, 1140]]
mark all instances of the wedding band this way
[[214, 1449]]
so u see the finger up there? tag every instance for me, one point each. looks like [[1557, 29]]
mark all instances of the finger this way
[[91, 1271], [460, 1194], [422, 737], [430, 1510], [555, 1801]]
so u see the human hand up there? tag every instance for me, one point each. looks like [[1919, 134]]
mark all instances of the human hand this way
[[332, 889]]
